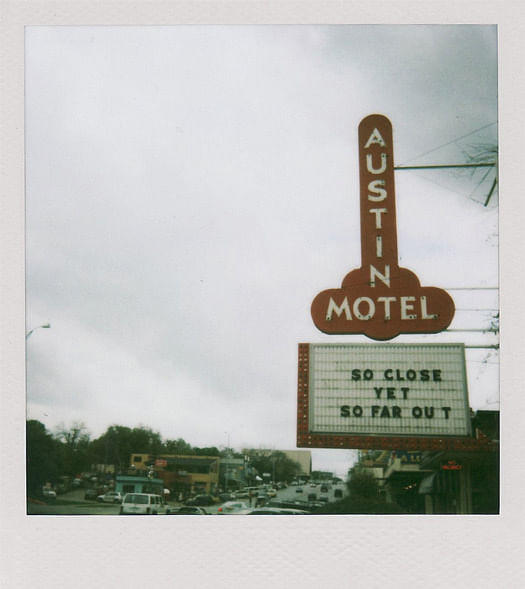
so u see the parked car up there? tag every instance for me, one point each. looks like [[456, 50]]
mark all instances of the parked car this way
[[226, 497], [277, 511], [141, 504], [233, 508], [307, 506], [313, 505], [110, 497], [90, 494], [200, 500], [299, 490], [241, 494], [186, 510], [48, 493]]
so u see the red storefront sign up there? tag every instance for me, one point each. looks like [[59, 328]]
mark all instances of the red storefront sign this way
[[380, 299], [451, 465]]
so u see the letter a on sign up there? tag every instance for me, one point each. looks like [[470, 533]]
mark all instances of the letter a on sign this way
[[395, 301], [375, 137]]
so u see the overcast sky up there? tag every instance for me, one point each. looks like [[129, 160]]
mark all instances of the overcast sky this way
[[190, 189]]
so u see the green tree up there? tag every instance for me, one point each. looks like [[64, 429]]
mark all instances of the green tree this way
[[74, 448], [118, 442], [362, 484], [178, 446], [212, 451], [318, 475], [364, 497], [146, 440], [42, 457]]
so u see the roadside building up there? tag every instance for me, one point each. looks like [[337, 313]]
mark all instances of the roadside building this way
[[402, 477], [451, 481], [234, 473], [139, 484], [465, 482], [183, 475], [303, 457], [442, 482]]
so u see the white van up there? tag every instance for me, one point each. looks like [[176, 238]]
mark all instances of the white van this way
[[141, 504]]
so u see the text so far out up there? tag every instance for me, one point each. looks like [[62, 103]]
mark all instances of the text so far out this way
[[395, 411]]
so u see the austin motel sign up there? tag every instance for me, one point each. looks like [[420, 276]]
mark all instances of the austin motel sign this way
[[380, 299], [382, 396]]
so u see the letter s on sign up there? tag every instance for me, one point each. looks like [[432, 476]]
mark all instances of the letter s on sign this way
[[376, 186]]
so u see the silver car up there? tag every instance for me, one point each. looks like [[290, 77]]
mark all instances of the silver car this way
[[233, 508], [110, 497]]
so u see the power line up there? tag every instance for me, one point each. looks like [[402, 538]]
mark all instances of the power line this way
[[425, 177], [442, 166], [474, 330], [451, 166], [472, 288], [475, 310], [454, 141]]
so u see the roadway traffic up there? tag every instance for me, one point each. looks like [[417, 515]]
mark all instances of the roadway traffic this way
[[73, 502]]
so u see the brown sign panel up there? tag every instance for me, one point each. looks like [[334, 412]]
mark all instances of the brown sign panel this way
[[380, 299]]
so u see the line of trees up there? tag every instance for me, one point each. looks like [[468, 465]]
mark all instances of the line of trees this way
[[69, 451]]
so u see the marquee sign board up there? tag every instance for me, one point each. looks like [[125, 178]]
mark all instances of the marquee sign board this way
[[384, 396], [380, 299]]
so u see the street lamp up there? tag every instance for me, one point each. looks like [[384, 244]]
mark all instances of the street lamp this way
[[46, 326]]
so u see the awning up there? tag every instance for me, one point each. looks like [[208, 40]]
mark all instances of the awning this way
[[444, 481], [426, 486]]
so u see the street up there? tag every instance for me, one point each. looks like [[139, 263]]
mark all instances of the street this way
[[73, 503]]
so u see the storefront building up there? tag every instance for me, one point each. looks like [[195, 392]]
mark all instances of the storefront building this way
[[139, 484], [182, 475], [465, 482]]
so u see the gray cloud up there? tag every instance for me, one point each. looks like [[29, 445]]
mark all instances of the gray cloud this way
[[190, 189]]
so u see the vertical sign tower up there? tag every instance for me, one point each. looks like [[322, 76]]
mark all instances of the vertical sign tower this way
[[403, 396], [380, 299]]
